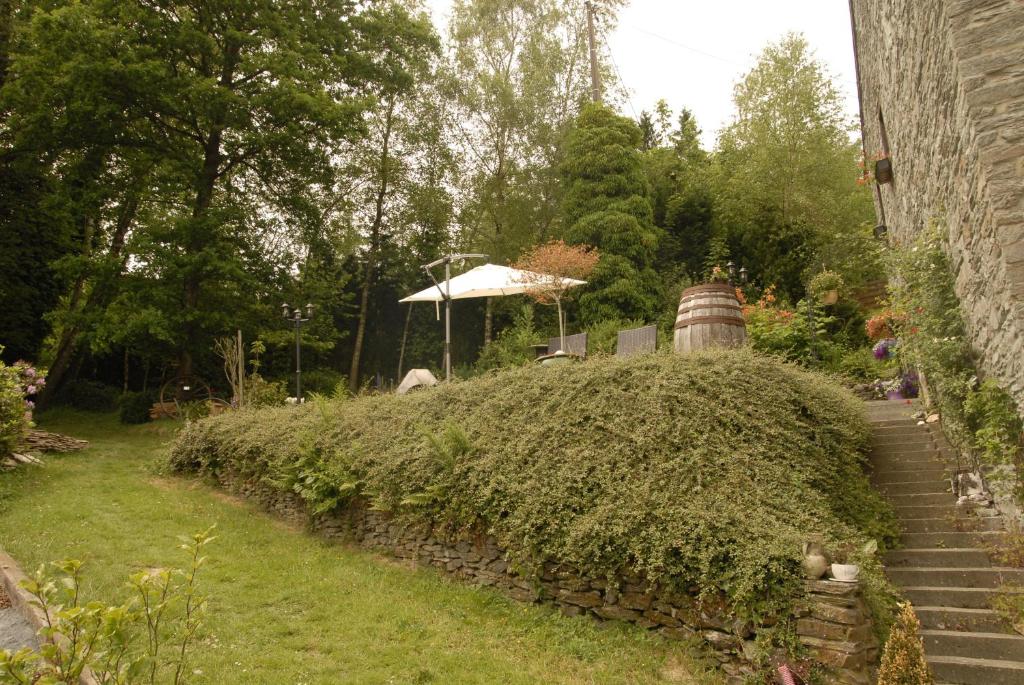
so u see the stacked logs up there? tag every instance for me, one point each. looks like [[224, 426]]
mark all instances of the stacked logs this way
[[41, 441]]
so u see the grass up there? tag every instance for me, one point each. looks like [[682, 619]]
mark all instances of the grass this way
[[287, 607]]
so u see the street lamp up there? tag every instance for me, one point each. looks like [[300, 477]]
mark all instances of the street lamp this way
[[743, 274], [447, 261], [296, 317]]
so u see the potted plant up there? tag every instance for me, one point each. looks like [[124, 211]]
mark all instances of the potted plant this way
[[844, 567], [825, 287]]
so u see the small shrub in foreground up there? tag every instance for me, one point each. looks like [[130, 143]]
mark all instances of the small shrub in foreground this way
[[144, 640], [903, 658]]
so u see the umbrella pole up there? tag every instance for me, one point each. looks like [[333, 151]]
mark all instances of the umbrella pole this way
[[448, 320]]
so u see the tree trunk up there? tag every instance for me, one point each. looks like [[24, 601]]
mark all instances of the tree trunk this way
[[405, 337], [101, 294], [370, 272], [197, 240]]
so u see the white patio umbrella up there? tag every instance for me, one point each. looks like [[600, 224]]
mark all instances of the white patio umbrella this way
[[488, 280]]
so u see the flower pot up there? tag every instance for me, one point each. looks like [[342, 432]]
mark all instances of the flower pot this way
[[814, 564], [830, 297], [845, 573], [894, 395]]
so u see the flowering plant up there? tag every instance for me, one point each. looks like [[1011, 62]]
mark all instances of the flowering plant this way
[[884, 348], [32, 381], [906, 384], [880, 325]]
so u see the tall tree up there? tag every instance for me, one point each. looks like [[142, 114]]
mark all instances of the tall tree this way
[[243, 108], [392, 167], [607, 206], [786, 168], [521, 72]]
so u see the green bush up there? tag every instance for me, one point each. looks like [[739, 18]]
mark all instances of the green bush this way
[[260, 392], [512, 346], [707, 470], [89, 395], [13, 420], [323, 381], [135, 407]]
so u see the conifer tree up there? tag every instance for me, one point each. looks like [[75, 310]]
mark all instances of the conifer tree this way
[[607, 206]]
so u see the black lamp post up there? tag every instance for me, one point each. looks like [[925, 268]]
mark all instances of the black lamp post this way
[[296, 317], [743, 274]]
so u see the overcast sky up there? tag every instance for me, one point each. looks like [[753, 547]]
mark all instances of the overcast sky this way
[[691, 53]]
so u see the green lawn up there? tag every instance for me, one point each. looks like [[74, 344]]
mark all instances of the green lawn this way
[[286, 607]]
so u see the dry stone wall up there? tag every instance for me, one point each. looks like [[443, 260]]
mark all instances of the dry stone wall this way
[[942, 91], [832, 622]]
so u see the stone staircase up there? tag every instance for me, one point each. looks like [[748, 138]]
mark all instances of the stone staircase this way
[[943, 567]]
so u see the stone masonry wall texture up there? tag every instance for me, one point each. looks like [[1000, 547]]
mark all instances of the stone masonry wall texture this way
[[832, 620], [942, 91]]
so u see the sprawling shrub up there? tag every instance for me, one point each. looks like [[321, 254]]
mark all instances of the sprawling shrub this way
[[707, 470]]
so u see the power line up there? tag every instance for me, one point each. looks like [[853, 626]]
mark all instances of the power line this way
[[685, 47]]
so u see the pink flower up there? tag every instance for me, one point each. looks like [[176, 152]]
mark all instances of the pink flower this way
[[30, 390]]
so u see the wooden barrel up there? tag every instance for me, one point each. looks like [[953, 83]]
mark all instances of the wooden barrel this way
[[709, 316]]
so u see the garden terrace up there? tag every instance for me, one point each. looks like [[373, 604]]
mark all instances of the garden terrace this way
[[700, 475]]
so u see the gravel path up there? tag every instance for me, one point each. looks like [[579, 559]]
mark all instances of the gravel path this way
[[15, 631]]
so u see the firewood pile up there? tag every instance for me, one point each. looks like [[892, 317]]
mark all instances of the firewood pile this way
[[41, 441]]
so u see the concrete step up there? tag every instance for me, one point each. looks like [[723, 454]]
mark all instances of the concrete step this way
[[884, 453], [931, 466], [931, 474], [965, 577], [931, 486], [948, 597], [880, 459], [921, 499], [911, 436], [949, 539], [975, 645], [927, 511], [898, 422], [961, 522], [967, 671], [938, 558], [961, 619], [909, 428]]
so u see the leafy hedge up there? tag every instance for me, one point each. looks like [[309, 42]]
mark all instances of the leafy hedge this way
[[708, 470], [13, 420]]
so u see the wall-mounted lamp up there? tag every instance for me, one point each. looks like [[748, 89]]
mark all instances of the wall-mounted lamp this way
[[883, 171]]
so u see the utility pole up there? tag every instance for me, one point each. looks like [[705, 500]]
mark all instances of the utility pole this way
[[595, 76]]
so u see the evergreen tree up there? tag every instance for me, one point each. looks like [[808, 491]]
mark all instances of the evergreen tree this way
[[606, 205]]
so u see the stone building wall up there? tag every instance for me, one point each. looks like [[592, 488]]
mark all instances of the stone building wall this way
[[942, 91], [832, 621]]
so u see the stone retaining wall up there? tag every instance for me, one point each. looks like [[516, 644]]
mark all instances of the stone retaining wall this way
[[832, 622]]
